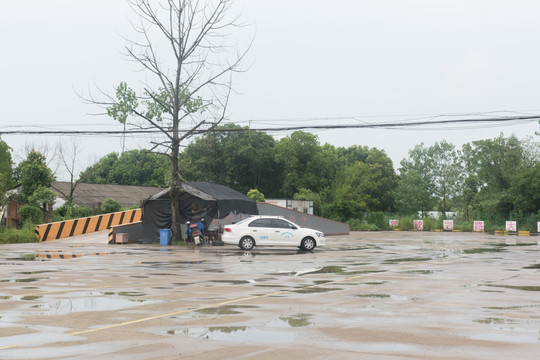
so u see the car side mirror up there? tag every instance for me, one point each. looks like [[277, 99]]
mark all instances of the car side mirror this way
[[294, 228]]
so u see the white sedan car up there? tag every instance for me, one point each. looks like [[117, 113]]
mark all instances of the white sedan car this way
[[271, 230]]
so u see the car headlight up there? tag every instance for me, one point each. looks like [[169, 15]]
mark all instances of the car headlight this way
[[319, 234]]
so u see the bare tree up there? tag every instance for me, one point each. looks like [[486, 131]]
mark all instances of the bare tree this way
[[66, 155], [185, 49]]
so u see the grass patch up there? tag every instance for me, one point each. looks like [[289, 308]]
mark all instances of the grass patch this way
[[24, 235]]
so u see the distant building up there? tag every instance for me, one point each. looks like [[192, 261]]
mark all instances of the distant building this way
[[85, 195], [93, 195], [305, 206]]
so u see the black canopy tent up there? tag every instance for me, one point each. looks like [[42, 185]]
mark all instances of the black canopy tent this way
[[198, 200]]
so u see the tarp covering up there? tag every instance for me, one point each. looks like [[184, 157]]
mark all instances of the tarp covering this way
[[198, 200]]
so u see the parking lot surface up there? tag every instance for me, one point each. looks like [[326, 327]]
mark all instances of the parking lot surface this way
[[369, 295]]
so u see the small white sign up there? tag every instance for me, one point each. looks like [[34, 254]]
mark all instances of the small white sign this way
[[394, 223], [419, 225], [448, 225], [478, 226], [511, 226]]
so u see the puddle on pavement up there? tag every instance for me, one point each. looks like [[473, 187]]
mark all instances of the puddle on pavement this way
[[29, 280], [483, 250], [232, 282], [421, 272], [520, 338], [65, 306], [375, 282], [322, 282], [225, 310], [5, 297], [494, 321], [31, 297], [378, 296], [533, 266], [400, 260], [239, 334], [314, 290], [516, 307], [516, 287], [338, 270], [35, 272], [122, 293], [297, 320]]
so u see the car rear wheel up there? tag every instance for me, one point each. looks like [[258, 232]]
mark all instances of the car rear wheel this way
[[246, 243], [308, 244]]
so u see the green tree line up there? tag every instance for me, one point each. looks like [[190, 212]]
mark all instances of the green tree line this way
[[493, 179], [485, 179]]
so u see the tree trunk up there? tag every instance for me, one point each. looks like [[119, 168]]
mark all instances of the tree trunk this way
[[176, 230]]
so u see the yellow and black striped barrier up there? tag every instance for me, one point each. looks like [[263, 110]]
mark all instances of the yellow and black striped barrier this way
[[87, 225], [58, 254]]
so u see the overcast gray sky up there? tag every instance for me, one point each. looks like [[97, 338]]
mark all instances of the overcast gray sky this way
[[312, 62]]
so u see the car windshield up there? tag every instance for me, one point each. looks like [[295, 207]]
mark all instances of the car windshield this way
[[242, 221]]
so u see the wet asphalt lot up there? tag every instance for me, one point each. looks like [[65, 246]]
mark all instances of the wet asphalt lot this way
[[374, 295]]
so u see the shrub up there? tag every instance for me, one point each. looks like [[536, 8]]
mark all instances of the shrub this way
[[379, 219], [256, 195], [361, 225], [30, 214], [66, 212], [110, 206]]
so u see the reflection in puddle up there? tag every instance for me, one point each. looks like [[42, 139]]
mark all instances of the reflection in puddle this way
[[224, 310], [494, 321], [65, 306], [506, 337], [418, 259], [421, 272], [297, 320], [524, 287], [533, 266], [313, 290], [378, 347], [240, 334], [483, 250], [380, 296]]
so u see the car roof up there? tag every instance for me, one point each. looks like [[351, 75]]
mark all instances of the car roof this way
[[266, 217]]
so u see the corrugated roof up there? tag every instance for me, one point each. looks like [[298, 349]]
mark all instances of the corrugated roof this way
[[92, 194]]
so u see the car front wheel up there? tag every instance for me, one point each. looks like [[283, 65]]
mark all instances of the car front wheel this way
[[247, 243], [308, 244]]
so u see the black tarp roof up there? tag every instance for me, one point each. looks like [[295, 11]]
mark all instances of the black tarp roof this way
[[198, 200]]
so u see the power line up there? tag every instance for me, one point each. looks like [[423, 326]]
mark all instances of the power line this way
[[487, 122]]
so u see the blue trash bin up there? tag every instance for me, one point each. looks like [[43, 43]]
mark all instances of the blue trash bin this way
[[165, 236]]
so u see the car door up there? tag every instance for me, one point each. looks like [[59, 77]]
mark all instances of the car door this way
[[284, 233], [262, 231]]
